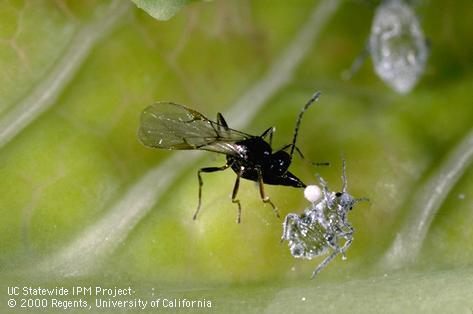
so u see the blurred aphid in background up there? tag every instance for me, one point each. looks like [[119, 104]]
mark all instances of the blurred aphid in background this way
[[397, 46], [323, 225]]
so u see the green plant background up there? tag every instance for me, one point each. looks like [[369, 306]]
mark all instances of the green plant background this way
[[63, 174]]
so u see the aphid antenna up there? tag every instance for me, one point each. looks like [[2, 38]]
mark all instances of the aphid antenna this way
[[355, 67], [344, 176], [362, 199], [325, 190], [322, 182], [345, 182], [299, 120]]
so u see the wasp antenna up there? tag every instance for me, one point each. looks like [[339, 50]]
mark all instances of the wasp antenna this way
[[299, 120]]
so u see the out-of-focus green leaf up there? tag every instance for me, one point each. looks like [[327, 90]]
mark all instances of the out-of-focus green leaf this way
[[161, 9], [82, 202]]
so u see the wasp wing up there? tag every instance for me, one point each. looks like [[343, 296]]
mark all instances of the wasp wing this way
[[172, 126]]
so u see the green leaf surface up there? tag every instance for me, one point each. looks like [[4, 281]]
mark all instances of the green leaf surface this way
[[161, 9], [82, 202]]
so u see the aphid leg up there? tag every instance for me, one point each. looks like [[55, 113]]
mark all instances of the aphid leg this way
[[348, 235], [199, 176], [299, 120], [325, 191], [289, 220], [349, 240], [234, 194], [325, 263], [350, 229], [265, 198]]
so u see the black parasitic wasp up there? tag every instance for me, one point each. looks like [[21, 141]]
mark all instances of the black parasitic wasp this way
[[172, 126]]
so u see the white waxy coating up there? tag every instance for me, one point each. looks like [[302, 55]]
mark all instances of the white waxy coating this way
[[312, 193]]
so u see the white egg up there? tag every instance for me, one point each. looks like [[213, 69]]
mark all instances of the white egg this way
[[312, 193]]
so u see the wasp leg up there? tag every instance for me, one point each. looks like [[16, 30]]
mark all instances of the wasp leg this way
[[221, 122], [235, 192], [221, 127], [208, 169], [270, 131], [265, 198]]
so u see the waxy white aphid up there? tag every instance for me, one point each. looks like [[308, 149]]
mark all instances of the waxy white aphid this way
[[323, 226], [397, 45]]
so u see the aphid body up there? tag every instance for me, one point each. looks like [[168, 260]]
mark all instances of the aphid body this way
[[323, 226], [397, 45]]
